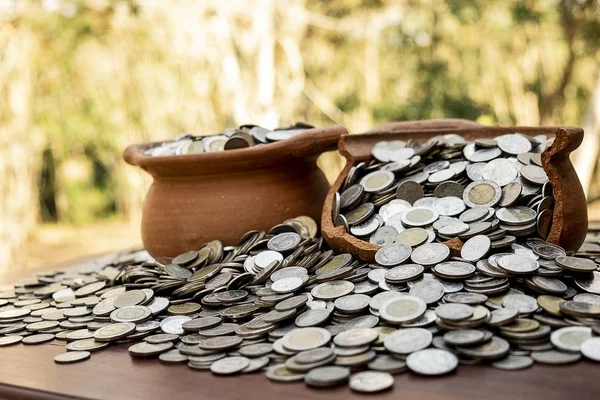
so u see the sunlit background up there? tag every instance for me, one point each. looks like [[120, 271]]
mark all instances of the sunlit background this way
[[80, 80]]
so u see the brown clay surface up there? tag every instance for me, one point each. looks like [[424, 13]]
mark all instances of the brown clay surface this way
[[569, 224]]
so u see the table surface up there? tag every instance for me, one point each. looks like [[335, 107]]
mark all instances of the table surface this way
[[30, 372]]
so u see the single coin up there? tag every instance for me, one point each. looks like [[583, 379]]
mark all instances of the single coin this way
[[501, 171], [174, 324], [464, 337], [482, 193], [279, 373], [377, 181], [384, 235], [402, 309], [428, 290], [493, 349], [510, 194], [177, 272], [520, 302], [284, 242], [8, 340], [589, 283], [328, 376], [292, 303], [503, 316], [302, 339], [149, 350], [131, 314], [353, 303], [454, 311], [513, 144], [432, 362], [256, 350], [576, 264], [475, 248], [130, 298], [590, 348], [393, 254], [356, 337], [332, 290], [229, 365], [350, 197], [287, 285], [114, 331], [37, 339], [409, 191], [519, 215], [172, 357], [312, 318], [534, 174], [419, 216], [371, 381], [413, 236], [408, 340], [430, 254], [465, 298], [404, 273], [161, 338], [387, 363], [513, 362], [518, 264], [71, 357], [90, 345], [571, 338], [555, 357], [521, 325]]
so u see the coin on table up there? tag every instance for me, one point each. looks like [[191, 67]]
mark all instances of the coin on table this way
[[475, 248], [37, 339], [280, 373], [172, 357], [387, 363], [454, 311], [229, 365], [402, 309], [432, 362], [332, 290], [518, 264], [430, 254], [371, 381], [356, 337], [591, 349], [393, 254], [576, 264], [114, 331], [534, 174], [284, 242], [377, 181], [589, 283], [408, 340], [571, 338], [161, 338], [512, 362], [14, 313], [482, 194], [8, 340], [148, 350], [409, 191], [174, 324], [90, 345], [71, 357], [555, 357], [131, 314], [328, 376], [419, 216], [306, 339]]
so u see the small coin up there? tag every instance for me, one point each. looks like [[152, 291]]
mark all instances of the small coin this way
[[377, 181], [454, 311], [131, 314], [413, 236], [576, 264], [518, 264], [464, 337], [356, 337], [371, 381], [555, 357], [402, 309], [408, 340], [37, 339], [419, 216], [428, 290], [114, 331], [302, 339], [90, 345], [409, 191], [284, 242], [430, 254], [570, 339], [172, 357], [393, 254], [387, 363], [432, 362], [328, 376], [280, 373], [475, 248], [71, 357], [590, 348], [8, 340], [332, 290], [482, 193], [513, 362], [174, 324]]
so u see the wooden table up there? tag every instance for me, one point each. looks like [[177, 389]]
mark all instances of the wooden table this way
[[30, 372]]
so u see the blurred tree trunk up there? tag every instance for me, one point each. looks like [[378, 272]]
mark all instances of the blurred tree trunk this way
[[20, 147]]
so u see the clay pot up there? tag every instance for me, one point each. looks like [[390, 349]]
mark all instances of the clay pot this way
[[569, 221], [196, 198]]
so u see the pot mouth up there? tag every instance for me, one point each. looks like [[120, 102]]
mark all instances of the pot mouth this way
[[302, 148]]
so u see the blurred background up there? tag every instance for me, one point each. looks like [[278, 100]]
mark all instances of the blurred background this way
[[81, 80]]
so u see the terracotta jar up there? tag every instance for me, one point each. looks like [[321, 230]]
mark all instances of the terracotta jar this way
[[569, 219], [196, 198]]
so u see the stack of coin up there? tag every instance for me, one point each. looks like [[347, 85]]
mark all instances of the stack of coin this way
[[230, 139], [282, 303], [494, 190]]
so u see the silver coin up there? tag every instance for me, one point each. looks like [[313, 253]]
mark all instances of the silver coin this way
[[430, 291], [408, 340], [302, 339], [450, 206], [332, 290], [356, 337], [518, 264], [590, 348], [432, 362], [371, 381], [464, 337], [71, 357], [287, 285], [353, 303], [377, 181], [393, 254], [366, 228], [516, 215], [534, 174], [399, 309], [513, 362], [513, 144], [328, 376], [570, 339], [555, 357], [419, 216], [501, 171], [454, 311], [404, 273], [174, 324], [475, 248], [430, 254], [284, 242], [229, 365], [522, 303], [384, 235]]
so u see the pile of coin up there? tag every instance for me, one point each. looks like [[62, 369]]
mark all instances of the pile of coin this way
[[492, 189], [282, 303], [230, 139]]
